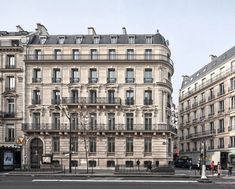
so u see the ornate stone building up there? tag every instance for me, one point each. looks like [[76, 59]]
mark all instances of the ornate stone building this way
[[207, 104]]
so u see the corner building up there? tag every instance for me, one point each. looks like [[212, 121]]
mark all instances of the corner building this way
[[207, 111], [113, 90]]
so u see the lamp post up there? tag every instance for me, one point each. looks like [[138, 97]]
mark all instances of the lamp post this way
[[203, 152], [70, 136]]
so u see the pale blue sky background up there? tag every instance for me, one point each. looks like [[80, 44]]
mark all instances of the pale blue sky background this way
[[195, 28]]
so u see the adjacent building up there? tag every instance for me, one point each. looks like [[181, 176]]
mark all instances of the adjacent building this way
[[207, 111]]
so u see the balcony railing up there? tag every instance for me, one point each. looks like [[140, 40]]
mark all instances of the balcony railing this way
[[101, 57], [130, 80], [148, 80], [36, 80], [10, 66], [211, 97], [93, 80], [95, 101], [195, 104], [230, 128], [36, 101], [74, 80], [148, 101], [9, 139], [220, 130], [220, 94], [231, 88], [11, 115], [56, 80], [111, 80], [55, 101], [8, 89], [220, 146], [202, 134], [129, 102], [98, 128]]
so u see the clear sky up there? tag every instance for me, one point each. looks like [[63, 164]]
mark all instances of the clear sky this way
[[195, 28]]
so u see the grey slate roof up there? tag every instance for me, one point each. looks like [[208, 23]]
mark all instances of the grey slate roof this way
[[207, 68], [104, 39], [5, 33]]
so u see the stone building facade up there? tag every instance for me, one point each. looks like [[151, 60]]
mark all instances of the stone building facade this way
[[207, 104]]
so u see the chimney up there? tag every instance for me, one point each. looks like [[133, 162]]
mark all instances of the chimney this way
[[41, 29], [212, 57], [19, 28], [91, 31], [124, 31]]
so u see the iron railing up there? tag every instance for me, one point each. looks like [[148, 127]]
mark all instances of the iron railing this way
[[95, 101]]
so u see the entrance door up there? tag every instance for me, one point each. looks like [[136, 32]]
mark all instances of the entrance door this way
[[223, 159], [36, 151]]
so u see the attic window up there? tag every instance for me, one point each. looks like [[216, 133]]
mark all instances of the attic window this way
[[204, 69], [131, 39], [113, 39], [79, 40], [61, 39], [197, 74], [43, 40], [96, 40], [149, 39], [191, 78]]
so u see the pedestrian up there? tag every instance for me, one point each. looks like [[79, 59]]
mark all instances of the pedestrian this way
[[149, 166], [199, 165], [190, 165], [230, 167], [212, 167], [218, 169]]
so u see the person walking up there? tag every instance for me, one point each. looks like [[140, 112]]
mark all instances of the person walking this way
[[219, 169], [212, 167]]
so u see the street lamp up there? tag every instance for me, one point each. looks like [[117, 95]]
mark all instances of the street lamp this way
[[203, 152], [70, 137]]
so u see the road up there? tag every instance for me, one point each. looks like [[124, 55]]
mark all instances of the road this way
[[24, 182]]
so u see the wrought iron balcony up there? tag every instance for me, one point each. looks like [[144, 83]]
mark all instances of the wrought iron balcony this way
[[130, 80], [9, 89], [36, 80], [74, 80], [220, 146], [93, 80], [148, 80], [11, 115], [111, 80], [220, 130], [90, 101], [148, 101], [56, 80], [10, 66], [9, 139], [202, 134], [130, 101], [211, 97], [55, 101]]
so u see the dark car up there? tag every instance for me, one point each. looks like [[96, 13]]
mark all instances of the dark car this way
[[182, 163]]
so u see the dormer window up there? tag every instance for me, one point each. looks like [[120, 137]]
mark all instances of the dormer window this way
[[15, 43], [131, 39], [79, 40], [149, 39], [113, 39], [96, 40], [43, 40], [61, 39]]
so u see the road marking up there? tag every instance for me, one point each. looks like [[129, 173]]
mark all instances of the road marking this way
[[116, 181]]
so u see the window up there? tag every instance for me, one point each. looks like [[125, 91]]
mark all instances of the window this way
[[78, 40], [221, 89], [37, 78], [74, 97], [61, 39], [129, 97], [211, 144], [92, 163], [74, 144], [113, 39], [56, 97], [92, 145], [43, 40], [131, 39], [93, 97], [75, 54], [148, 75], [212, 127], [94, 54], [232, 142], [130, 54], [148, 98], [221, 106], [36, 121], [130, 75], [221, 143], [111, 76], [10, 133], [38, 54], [129, 121], [93, 121], [212, 110], [11, 61], [203, 81], [96, 40], [74, 121], [111, 145], [148, 121], [58, 54], [232, 123], [112, 54], [93, 76], [148, 54], [232, 83], [110, 163], [56, 144], [74, 75], [111, 97], [232, 102], [56, 76], [56, 121], [111, 121], [149, 40], [129, 145], [221, 126], [36, 97], [10, 108], [10, 83], [147, 145]]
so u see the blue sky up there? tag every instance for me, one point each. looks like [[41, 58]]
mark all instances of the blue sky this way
[[195, 28]]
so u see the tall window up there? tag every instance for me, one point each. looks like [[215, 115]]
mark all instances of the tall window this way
[[147, 145], [74, 75], [149, 40], [36, 97], [56, 144], [232, 83], [148, 121], [232, 122], [111, 97], [232, 142], [129, 97], [148, 75], [148, 98], [129, 145], [10, 133], [10, 83], [56, 76], [93, 121], [148, 54], [130, 75], [211, 144], [212, 110], [232, 102], [96, 40], [130, 54], [131, 39], [221, 143], [74, 144], [111, 121], [56, 121], [94, 54], [37, 77], [58, 54], [111, 145], [92, 145], [36, 121], [75, 54], [78, 40], [10, 108], [93, 97], [74, 96], [111, 76], [112, 54], [74, 121], [212, 127], [56, 97], [129, 121], [221, 126], [38, 54], [221, 89], [93, 76], [212, 95], [221, 106], [11, 63], [113, 39]]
